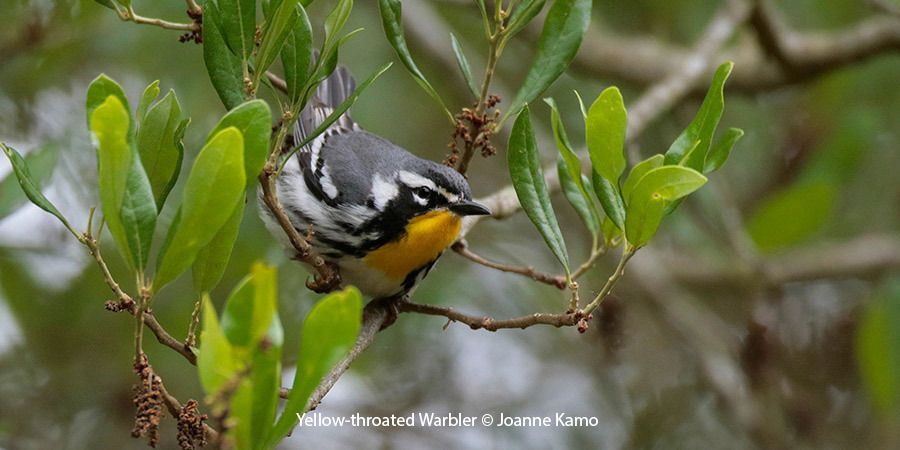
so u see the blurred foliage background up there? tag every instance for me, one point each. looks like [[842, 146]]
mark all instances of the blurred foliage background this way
[[743, 325]]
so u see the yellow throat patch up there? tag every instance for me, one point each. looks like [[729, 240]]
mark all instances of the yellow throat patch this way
[[426, 237]]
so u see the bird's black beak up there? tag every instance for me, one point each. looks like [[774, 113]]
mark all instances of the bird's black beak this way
[[470, 208]]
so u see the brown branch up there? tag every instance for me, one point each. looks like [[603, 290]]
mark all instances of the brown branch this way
[[692, 70], [796, 56], [125, 302], [557, 281], [327, 278], [174, 407], [376, 316], [653, 103], [570, 318], [804, 55], [193, 7], [277, 81], [489, 323], [128, 15], [864, 257]]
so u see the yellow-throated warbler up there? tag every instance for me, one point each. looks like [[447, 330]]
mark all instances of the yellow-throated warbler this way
[[380, 213]]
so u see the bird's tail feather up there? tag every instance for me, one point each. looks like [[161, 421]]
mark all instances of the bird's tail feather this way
[[329, 95]]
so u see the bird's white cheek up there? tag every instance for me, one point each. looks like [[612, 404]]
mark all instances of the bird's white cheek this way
[[383, 191]]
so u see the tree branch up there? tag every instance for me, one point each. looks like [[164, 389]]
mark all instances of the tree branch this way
[[557, 281], [327, 278], [128, 15], [864, 256], [489, 323], [175, 407], [804, 55], [277, 81], [656, 100], [796, 56], [376, 317], [125, 302]]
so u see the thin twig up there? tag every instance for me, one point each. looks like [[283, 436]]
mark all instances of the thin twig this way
[[327, 277], [167, 339], [645, 59], [193, 7], [128, 15], [617, 274], [495, 48], [174, 406], [571, 318], [489, 323], [654, 102], [557, 281], [596, 253], [277, 81], [375, 318]]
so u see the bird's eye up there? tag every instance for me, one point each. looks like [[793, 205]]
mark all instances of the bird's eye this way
[[422, 192]]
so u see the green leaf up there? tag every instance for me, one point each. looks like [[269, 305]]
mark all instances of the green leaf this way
[[254, 120], [584, 113], [138, 212], [106, 3], [251, 325], [158, 145], [266, 380], [610, 199], [329, 332], [251, 307], [638, 171], [216, 363], [336, 20], [610, 232], [391, 18], [38, 166], [792, 215], [125, 192], [279, 24], [570, 172], [564, 28], [149, 95], [584, 206], [212, 260], [530, 186], [604, 131], [343, 107], [213, 190], [648, 200], [296, 57], [703, 126], [463, 64], [722, 149], [224, 67], [522, 15], [125, 3], [878, 348], [101, 88], [29, 185], [238, 25]]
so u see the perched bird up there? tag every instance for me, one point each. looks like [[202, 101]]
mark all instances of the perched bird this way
[[382, 215]]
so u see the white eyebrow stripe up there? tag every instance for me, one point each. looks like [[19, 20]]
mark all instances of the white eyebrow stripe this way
[[414, 180], [452, 198]]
